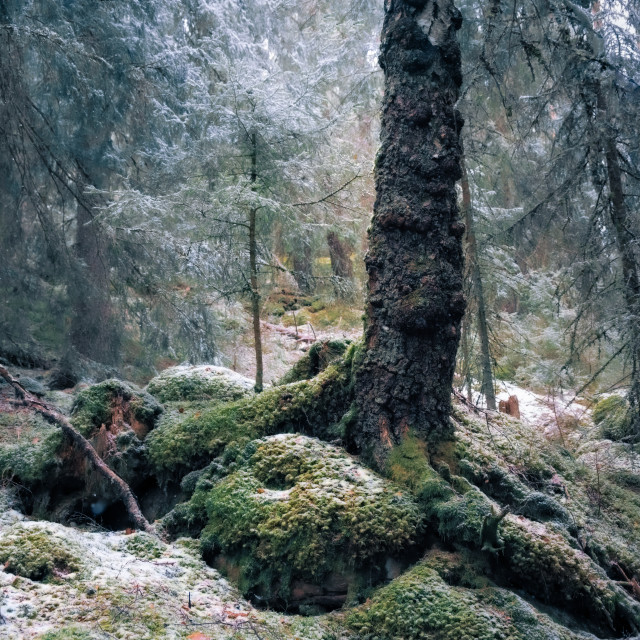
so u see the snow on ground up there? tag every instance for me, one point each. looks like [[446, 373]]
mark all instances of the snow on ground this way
[[543, 411], [132, 586]]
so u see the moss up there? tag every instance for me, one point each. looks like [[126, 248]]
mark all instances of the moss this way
[[190, 439], [94, 406], [297, 509], [143, 546], [28, 448], [420, 604], [36, 554], [319, 356], [202, 382], [611, 416], [69, 633]]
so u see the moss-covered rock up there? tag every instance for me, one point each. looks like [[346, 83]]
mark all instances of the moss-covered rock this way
[[421, 604], [29, 448], [201, 382], [611, 416], [319, 356], [188, 438], [299, 520], [36, 554], [111, 401]]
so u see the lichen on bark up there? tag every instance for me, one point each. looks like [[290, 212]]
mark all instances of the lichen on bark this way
[[415, 300]]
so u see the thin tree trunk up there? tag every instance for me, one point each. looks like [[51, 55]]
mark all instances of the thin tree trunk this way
[[340, 264], [415, 288], [253, 272], [622, 224], [119, 486], [478, 290]]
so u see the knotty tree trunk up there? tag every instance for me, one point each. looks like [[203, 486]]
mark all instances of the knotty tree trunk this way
[[415, 288]]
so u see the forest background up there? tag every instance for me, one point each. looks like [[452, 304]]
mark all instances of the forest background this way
[[174, 173]]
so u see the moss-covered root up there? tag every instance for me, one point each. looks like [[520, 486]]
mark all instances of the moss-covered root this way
[[531, 554], [420, 604], [319, 356], [189, 439], [203, 382]]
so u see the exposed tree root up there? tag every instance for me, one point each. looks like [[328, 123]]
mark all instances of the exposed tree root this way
[[119, 486]]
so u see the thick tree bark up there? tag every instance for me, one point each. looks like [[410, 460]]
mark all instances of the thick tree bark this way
[[117, 484], [478, 290], [253, 272], [415, 290]]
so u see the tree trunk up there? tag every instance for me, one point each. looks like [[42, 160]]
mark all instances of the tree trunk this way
[[415, 288], [623, 228], [303, 266], [340, 264], [253, 272], [477, 289], [94, 328]]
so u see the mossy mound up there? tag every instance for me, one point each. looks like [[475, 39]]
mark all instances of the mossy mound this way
[[189, 437], [569, 528], [299, 520], [114, 401], [319, 356], [611, 416], [421, 604], [201, 382], [28, 448], [36, 553]]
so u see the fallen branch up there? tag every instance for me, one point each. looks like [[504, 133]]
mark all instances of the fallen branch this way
[[291, 333], [119, 486]]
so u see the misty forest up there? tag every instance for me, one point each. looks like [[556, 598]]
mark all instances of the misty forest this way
[[320, 319]]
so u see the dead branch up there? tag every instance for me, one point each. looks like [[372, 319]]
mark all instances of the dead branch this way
[[119, 486]]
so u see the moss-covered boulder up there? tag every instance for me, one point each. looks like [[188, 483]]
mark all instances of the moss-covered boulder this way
[[29, 449], [36, 553], [114, 404], [189, 437], [611, 416], [424, 603], [298, 521], [116, 418], [200, 382]]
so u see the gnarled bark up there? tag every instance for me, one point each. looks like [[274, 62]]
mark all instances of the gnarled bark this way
[[415, 296]]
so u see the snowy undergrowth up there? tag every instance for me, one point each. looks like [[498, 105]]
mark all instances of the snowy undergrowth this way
[[131, 586]]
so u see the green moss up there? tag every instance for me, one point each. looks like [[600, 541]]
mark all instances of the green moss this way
[[94, 406], [611, 415], [28, 448], [299, 509], [143, 546], [421, 605], [35, 553], [319, 356], [69, 633], [202, 382], [191, 439]]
